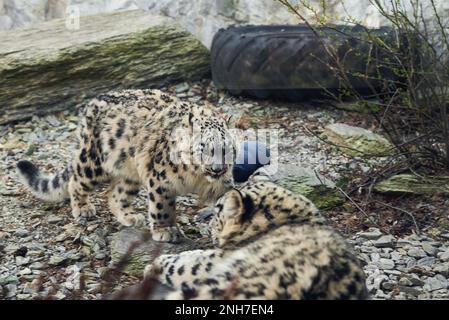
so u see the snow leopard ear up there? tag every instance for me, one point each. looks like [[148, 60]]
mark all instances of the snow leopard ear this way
[[233, 203], [238, 204]]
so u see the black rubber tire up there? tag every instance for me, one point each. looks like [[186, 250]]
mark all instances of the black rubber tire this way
[[287, 62]]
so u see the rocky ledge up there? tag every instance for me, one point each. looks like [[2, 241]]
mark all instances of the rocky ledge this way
[[50, 68]]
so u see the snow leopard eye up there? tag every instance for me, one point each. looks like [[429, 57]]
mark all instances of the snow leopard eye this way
[[207, 149]]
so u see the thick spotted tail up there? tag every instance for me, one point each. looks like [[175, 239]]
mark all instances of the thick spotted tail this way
[[52, 188]]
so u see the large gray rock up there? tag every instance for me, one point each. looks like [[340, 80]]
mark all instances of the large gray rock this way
[[409, 183], [387, 241], [371, 234], [51, 68], [355, 141], [306, 182], [146, 250], [435, 283]]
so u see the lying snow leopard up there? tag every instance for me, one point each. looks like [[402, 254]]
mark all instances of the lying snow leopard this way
[[272, 244], [127, 138]]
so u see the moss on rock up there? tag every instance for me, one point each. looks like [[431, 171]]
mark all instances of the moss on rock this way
[[145, 252], [63, 68], [324, 197], [306, 182], [408, 183], [355, 141]]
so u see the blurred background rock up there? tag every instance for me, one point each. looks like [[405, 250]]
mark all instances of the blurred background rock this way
[[201, 17]]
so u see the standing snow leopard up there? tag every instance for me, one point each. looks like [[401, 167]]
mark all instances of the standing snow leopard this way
[[271, 244], [127, 138]]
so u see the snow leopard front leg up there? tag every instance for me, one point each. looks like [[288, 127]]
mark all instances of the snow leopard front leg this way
[[162, 211], [121, 195]]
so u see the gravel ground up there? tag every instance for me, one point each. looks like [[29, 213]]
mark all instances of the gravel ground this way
[[44, 254]]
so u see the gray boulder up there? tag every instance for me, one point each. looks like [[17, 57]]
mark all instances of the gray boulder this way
[[409, 183], [304, 181], [355, 141], [51, 67], [140, 250]]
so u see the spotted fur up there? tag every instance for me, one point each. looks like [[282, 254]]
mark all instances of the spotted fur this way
[[129, 139], [271, 244]]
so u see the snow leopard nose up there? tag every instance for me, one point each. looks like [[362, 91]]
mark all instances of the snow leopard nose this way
[[217, 168]]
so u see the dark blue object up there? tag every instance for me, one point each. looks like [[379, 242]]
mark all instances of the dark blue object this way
[[251, 156]]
